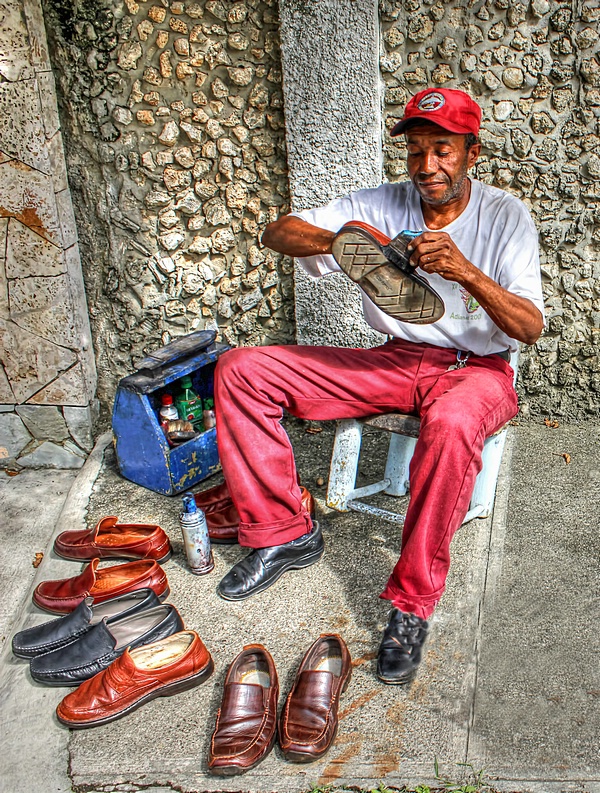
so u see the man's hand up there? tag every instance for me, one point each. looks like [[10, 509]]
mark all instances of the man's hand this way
[[435, 252]]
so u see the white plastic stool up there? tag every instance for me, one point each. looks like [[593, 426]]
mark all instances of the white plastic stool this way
[[342, 493]]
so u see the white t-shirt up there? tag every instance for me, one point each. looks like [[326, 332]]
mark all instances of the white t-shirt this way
[[495, 232]]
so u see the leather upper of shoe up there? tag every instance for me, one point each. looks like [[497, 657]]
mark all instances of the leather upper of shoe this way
[[223, 519], [247, 719], [64, 595], [214, 498], [110, 539], [380, 237], [96, 649], [401, 646], [263, 565], [310, 716], [54, 634], [136, 675]]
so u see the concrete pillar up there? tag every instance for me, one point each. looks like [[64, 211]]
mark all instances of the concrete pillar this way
[[332, 94]]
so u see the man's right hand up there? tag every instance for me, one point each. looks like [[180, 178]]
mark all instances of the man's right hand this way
[[295, 237]]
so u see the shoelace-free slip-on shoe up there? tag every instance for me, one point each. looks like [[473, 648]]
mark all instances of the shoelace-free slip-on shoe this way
[[110, 539], [64, 595], [96, 649], [57, 633], [223, 522], [246, 723], [264, 566], [401, 647], [162, 669], [381, 268], [309, 719]]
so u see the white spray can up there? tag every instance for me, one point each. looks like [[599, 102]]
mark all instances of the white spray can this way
[[195, 537]]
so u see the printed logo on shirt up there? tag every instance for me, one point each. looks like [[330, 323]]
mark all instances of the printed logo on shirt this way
[[431, 102], [471, 305]]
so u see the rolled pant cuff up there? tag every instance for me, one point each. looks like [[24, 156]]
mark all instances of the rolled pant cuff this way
[[266, 535], [421, 607]]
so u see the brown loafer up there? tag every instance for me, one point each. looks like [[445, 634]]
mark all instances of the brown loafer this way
[[309, 719], [64, 595], [247, 719], [166, 667], [113, 540], [214, 498], [223, 522]]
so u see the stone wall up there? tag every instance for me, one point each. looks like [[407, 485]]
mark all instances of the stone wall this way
[[47, 375], [176, 157], [535, 69]]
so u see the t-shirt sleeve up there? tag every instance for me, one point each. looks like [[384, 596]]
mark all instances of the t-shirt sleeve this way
[[519, 271]]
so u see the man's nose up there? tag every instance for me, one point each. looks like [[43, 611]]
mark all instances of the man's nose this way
[[428, 164]]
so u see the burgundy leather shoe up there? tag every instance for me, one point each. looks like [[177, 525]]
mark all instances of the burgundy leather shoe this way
[[214, 498], [247, 719], [171, 665], [309, 719], [113, 540], [223, 522], [64, 595]]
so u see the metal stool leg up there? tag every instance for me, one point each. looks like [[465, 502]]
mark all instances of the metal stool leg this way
[[344, 463], [397, 465]]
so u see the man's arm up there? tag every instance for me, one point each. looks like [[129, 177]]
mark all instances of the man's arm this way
[[295, 237], [519, 318]]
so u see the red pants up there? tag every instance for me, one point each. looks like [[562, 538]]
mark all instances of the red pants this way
[[458, 410]]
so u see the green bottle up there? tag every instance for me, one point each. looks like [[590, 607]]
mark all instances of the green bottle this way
[[189, 404]]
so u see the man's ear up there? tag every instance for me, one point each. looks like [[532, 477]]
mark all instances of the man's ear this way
[[473, 154]]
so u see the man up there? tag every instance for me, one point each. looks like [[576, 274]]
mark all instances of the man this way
[[478, 257]]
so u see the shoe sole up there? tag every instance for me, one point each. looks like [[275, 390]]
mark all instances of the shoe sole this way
[[166, 691], [162, 597], [408, 298], [297, 565], [132, 558], [403, 681]]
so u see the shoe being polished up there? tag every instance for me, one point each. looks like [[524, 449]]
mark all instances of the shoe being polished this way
[[167, 667], [246, 723], [223, 520], [309, 719], [100, 646], [64, 595], [401, 647], [381, 268], [263, 566], [57, 633], [110, 539]]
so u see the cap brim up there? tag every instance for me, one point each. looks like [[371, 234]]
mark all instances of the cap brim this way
[[402, 125]]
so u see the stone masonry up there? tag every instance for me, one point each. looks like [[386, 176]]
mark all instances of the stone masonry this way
[[535, 69], [176, 158], [47, 373]]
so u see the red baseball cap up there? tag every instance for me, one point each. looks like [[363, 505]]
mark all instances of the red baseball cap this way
[[448, 108]]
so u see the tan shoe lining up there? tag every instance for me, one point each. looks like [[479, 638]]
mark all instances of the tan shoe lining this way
[[155, 656]]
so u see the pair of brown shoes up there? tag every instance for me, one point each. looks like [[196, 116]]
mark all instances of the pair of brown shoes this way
[[246, 725]]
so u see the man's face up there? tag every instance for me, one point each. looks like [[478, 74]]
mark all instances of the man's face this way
[[438, 162]]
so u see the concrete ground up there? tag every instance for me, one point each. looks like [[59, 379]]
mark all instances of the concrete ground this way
[[511, 679]]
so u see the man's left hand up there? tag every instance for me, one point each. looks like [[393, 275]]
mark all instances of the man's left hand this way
[[435, 252]]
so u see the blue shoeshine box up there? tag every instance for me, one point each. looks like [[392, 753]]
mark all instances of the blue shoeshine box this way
[[143, 453]]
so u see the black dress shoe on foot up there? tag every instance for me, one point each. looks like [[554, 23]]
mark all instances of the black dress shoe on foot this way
[[400, 649], [263, 566]]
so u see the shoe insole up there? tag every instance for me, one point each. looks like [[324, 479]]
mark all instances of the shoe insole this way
[[332, 663], [155, 656], [114, 576], [110, 608], [256, 677], [253, 671], [129, 629], [125, 538]]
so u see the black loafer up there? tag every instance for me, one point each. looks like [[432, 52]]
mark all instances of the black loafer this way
[[100, 646], [400, 649], [57, 633], [263, 566]]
